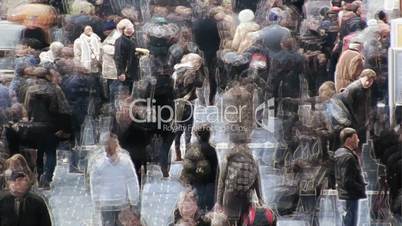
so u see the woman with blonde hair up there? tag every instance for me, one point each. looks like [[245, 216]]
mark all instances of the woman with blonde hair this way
[[17, 162]]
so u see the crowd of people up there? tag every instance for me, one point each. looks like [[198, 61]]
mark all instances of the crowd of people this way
[[109, 72]]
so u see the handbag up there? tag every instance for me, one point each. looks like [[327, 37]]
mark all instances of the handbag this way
[[259, 216]]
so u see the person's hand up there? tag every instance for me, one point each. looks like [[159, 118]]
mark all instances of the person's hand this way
[[122, 77]]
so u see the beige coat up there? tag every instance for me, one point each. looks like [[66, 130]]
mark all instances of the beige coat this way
[[241, 32], [348, 69]]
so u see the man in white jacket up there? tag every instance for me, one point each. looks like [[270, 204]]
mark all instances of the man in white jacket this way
[[113, 181]]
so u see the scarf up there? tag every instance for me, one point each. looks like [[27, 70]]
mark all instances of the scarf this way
[[90, 50]]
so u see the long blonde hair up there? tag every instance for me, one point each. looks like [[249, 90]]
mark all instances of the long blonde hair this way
[[18, 162]]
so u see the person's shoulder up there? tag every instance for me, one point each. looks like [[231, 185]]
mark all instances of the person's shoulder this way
[[4, 195], [35, 197], [343, 152]]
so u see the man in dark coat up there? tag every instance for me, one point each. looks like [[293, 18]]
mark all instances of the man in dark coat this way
[[19, 206], [348, 173], [49, 112], [355, 102], [125, 58], [207, 38]]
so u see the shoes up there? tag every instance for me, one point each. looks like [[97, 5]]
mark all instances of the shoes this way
[[165, 172], [73, 169], [178, 155]]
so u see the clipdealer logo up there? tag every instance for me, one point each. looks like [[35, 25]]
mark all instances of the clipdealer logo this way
[[148, 111]]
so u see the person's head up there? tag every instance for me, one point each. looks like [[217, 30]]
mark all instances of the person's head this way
[[217, 218], [110, 142], [18, 182], [17, 162], [246, 15], [275, 15], [367, 78], [187, 204], [381, 15], [56, 48], [185, 35], [128, 30], [288, 43], [203, 132], [349, 138], [122, 24], [67, 52], [88, 30], [128, 217], [357, 7], [326, 90]]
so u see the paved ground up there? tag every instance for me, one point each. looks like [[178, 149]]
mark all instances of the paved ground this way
[[70, 200]]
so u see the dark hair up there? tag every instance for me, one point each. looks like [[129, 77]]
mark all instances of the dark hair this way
[[203, 132], [381, 15], [346, 133]]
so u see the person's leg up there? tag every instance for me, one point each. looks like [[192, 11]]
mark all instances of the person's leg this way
[[188, 129], [108, 218], [39, 162], [50, 150], [164, 161], [351, 212], [211, 78], [177, 137]]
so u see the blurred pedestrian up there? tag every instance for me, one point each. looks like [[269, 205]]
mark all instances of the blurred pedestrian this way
[[113, 181], [19, 206]]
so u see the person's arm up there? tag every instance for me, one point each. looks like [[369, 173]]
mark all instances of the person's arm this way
[[356, 67], [94, 182], [257, 186], [133, 187], [45, 219], [236, 39], [77, 50], [221, 184], [351, 174], [120, 56]]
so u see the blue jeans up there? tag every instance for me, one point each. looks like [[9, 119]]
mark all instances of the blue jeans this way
[[352, 210]]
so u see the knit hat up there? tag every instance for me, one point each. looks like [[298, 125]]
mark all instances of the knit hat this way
[[274, 15], [246, 15]]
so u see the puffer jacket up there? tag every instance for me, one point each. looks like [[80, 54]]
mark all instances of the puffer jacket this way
[[348, 174], [241, 33]]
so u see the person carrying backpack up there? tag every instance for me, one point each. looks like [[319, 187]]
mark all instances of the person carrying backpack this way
[[237, 182]]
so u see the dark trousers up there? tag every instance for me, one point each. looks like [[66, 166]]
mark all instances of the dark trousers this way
[[352, 210], [211, 64], [206, 196], [47, 146], [184, 127], [110, 218]]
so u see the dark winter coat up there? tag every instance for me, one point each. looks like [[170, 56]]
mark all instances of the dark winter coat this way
[[272, 36], [356, 99], [46, 103], [286, 69], [33, 211], [348, 174], [207, 36], [77, 89], [125, 58], [201, 158]]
